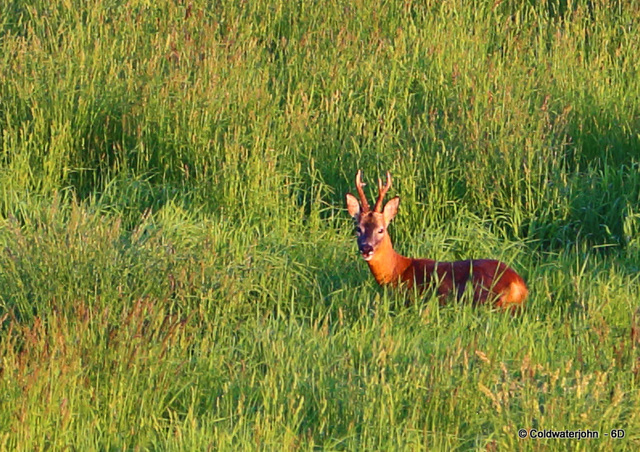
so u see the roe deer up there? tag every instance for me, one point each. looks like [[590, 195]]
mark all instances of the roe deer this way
[[490, 279]]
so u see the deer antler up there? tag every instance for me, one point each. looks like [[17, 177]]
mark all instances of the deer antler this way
[[363, 198], [382, 191]]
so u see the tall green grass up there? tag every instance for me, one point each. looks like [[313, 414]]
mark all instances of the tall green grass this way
[[176, 268]]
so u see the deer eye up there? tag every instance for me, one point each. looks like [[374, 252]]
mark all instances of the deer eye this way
[[380, 231]]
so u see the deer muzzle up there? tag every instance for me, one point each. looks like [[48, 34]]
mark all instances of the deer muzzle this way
[[366, 250]]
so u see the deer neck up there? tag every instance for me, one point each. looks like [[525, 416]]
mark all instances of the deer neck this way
[[386, 265]]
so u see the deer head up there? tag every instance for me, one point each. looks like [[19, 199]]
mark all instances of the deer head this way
[[371, 225]]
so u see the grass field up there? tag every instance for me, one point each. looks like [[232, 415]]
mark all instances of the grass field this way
[[178, 271]]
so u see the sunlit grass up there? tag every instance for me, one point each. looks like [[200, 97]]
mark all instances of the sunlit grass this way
[[176, 268]]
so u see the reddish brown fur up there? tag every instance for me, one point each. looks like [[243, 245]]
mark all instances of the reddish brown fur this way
[[491, 280]]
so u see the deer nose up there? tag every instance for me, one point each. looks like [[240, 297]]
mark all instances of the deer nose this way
[[366, 249]]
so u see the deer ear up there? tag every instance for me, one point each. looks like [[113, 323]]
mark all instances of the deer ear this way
[[390, 210], [353, 206]]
